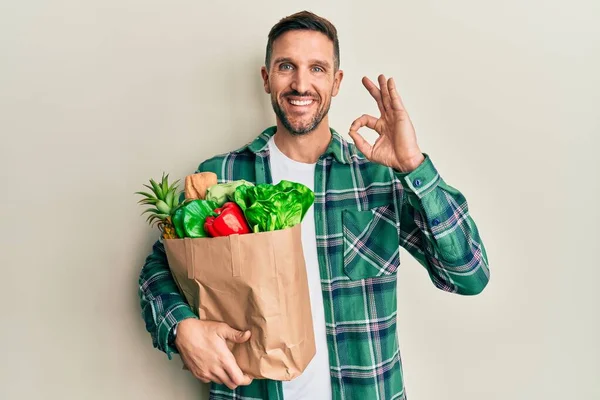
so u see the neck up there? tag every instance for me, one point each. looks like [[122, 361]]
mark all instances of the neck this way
[[305, 148]]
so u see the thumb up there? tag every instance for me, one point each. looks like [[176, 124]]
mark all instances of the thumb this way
[[228, 333], [361, 144]]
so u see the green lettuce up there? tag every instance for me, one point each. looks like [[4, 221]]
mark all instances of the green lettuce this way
[[273, 207]]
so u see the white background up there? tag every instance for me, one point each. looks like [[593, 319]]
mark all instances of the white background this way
[[97, 96]]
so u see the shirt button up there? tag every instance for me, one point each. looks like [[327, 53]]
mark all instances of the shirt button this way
[[417, 182], [435, 222]]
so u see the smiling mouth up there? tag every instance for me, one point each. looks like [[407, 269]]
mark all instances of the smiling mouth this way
[[300, 104]]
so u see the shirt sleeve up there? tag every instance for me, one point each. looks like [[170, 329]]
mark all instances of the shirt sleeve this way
[[436, 229], [163, 306]]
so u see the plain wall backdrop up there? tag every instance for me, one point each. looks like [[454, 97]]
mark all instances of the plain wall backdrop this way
[[96, 97]]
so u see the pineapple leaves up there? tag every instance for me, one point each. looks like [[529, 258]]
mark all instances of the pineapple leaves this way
[[144, 194], [165, 184], [163, 207], [150, 210], [157, 189], [175, 203], [174, 185], [151, 201], [169, 199], [164, 201]]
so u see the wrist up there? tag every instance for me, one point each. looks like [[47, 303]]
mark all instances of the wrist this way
[[175, 332], [172, 335], [409, 164]]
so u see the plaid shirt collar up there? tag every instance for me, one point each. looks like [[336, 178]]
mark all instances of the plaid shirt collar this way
[[338, 147]]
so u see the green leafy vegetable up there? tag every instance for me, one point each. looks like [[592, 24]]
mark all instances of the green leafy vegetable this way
[[273, 207], [177, 220], [190, 218], [223, 192]]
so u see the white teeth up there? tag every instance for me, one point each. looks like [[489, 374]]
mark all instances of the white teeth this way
[[301, 103]]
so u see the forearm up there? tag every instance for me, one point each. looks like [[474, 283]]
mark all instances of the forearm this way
[[438, 231], [162, 304]]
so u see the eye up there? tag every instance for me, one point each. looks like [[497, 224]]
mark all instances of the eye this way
[[318, 69], [283, 66]]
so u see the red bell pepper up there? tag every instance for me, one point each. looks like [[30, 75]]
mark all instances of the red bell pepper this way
[[229, 220]]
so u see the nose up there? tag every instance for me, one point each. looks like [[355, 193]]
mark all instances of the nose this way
[[301, 81]]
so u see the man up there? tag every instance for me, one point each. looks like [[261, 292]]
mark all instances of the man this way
[[369, 200]]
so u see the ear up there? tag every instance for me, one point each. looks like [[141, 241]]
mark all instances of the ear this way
[[337, 81], [265, 77]]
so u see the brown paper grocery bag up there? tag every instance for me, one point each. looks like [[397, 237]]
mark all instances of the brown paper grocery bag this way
[[257, 282]]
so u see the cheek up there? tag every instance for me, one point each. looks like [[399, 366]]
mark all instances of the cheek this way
[[278, 83], [326, 93], [326, 88]]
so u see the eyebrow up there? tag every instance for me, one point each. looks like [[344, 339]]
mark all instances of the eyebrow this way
[[313, 61]]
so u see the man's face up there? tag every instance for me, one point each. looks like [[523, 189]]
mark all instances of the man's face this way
[[301, 79]]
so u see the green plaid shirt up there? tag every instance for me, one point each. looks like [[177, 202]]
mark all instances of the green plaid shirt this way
[[364, 212]]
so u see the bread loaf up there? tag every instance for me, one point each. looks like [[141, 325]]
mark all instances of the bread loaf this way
[[196, 184]]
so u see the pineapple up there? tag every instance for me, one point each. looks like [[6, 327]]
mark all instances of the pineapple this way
[[165, 201]]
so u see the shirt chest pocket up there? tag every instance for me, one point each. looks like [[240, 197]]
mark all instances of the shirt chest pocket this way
[[371, 242]]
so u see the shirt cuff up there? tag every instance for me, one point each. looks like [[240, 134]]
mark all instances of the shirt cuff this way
[[421, 180], [175, 316]]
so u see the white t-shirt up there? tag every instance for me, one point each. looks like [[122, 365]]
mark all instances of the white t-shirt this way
[[315, 382]]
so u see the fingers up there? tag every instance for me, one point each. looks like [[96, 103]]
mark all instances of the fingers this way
[[364, 120], [385, 93], [225, 372], [209, 377], [375, 92], [235, 373], [246, 381], [394, 95], [361, 144], [241, 337], [224, 378], [233, 335], [386, 96], [215, 362], [231, 374]]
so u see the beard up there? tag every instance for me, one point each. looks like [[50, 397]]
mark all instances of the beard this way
[[298, 129]]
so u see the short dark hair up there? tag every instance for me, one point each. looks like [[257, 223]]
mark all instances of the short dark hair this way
[[304, 20]]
